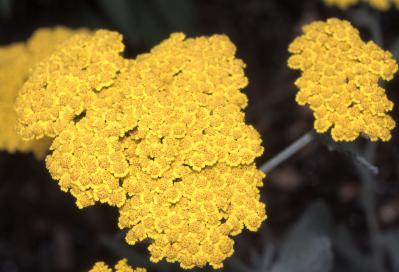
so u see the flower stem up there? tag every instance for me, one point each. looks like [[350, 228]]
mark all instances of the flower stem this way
[[368, 198], [288, 152], [368, 201]]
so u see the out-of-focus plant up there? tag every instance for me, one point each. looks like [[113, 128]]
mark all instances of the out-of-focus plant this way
[[16, 60], [382, 5], [307, 246], [146, 23], [161, 136]]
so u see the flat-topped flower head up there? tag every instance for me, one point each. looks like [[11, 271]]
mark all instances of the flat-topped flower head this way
[[61, 86], [121, 266], [381, 5], [340, 80], [167, 143], [16, 60], [192, 181]]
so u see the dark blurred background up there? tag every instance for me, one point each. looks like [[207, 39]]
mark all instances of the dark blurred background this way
[[320, 212]]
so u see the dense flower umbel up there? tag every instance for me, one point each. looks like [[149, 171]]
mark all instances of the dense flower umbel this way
[[61, 86], [121, 266], [15, 62], [382, 5], [166, 142], [339, 80]]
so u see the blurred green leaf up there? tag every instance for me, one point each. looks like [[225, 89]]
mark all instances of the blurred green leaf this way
[[307, 247], [391, 242], [369, 19], [148, 22], [120, 14], [346, 248], [263, 260], [395, 49], [5, 8], [179, 14]]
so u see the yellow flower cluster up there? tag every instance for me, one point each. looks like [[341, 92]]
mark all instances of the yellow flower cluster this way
[[11, 142], [339, 81], [14, 66], [165, 141], [61, 86], [121, 266], [382, 5], [15, 62]]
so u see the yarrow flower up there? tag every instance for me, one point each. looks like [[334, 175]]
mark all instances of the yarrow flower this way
[[121, 266], [382, 5], [339, 80], [61, 86], [16, 60], [162, 137]]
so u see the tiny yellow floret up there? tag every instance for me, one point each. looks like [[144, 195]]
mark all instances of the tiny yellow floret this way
[[339, 80]]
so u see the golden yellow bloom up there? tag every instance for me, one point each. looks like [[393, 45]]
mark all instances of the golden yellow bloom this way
[[14, 66], [61, 86], [166, 142], [339, 81], [121, 266], [382, 5], [11, 142], [15, 62]]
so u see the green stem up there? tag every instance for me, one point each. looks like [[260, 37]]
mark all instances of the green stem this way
[[288, 152], [368, 200]]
